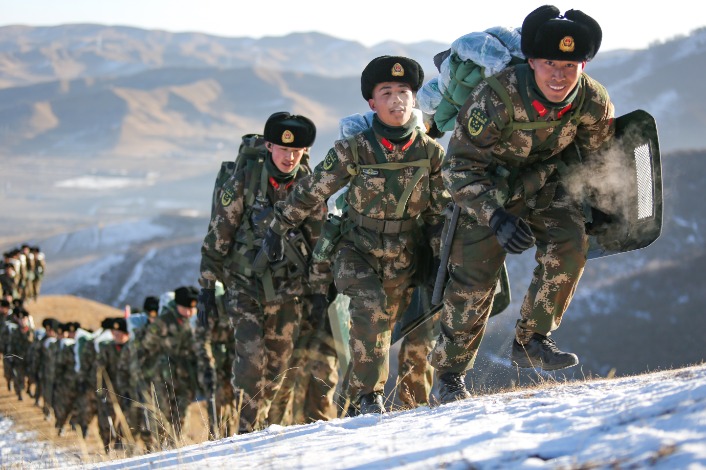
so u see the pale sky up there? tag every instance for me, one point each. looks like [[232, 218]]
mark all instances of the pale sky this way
[[626, 24]]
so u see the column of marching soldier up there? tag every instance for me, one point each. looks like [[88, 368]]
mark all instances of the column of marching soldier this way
[[136, 374]]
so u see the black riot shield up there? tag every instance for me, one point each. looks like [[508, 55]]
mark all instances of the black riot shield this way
[[634, 203]]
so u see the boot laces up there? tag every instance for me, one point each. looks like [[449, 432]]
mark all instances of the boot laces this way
[[547, 343]]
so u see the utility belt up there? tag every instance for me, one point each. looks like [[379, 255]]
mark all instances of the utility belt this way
[[381, 225]]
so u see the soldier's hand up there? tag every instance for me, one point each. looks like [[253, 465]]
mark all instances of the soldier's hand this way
[[206, 306], [273, 245], [512, 232]]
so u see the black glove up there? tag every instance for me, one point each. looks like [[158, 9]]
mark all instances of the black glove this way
[[206, 306], [513, 233], [319, 309], [600, 222], [273, 246]]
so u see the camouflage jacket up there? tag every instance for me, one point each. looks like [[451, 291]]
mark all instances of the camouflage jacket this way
[[233, 240], [167, 349], [108, 358], [375, 193], [65, 372], [17, 341], [477, 149]]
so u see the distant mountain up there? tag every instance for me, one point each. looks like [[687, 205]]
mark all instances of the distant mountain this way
[[97, 90]]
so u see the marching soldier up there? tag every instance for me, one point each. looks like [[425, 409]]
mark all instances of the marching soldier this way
[[168, 356], [264, 301], [508, 181], [393, 208]]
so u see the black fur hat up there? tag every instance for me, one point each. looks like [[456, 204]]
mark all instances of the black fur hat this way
[[119, 323], [547, 34], [290, 130], [151, 304], [186, 296], [390, 69]]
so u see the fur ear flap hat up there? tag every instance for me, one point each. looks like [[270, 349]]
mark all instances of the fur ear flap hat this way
[[574, 36]]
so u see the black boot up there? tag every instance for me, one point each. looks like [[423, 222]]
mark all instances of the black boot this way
[[452, 387], [542, 352], [372, 403]]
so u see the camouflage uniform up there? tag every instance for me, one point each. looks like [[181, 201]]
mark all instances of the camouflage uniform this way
[[374, 261], [486, 170], [85, 404], [266, 325], [308, 389], [65, 389], [167, 355], [17, 340], [110, 375], [48, 368]]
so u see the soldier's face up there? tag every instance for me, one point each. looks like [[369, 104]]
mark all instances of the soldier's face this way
[[187, 312], [285, 159], [556, 78], [393, 102], [119, 336]]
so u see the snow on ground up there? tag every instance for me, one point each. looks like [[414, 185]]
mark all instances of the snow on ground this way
[[23, 450], [656, 420]]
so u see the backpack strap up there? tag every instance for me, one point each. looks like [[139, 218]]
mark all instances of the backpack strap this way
[[423, 167], [513, 125]]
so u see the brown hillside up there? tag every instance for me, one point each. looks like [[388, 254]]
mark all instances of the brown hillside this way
[[67, 308]]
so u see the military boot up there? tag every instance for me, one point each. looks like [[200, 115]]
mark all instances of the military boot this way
[[452, 387], [542, 352], [372, 403]]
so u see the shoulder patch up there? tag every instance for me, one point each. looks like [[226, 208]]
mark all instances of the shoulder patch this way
[[477, 122], [330, 160], [226, 196]]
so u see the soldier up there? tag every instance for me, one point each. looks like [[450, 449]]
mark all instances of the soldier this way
[[393, 207], [113, 392], [65, 387], [36, 356], [266, 307], [139, 414], [5, 312], [85, 404], [50, 353], [168, 356], [17, 338], [508, 183], [9, 279], [40, 267]]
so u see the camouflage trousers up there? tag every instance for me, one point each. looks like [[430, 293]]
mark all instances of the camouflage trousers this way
[[63, 399], [18, 374], [474, 267], [264, 341], [85, 405], [379, 289], [308, 389], [223, 355]]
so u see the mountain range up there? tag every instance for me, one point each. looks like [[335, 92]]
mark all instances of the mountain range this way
[[111, 137]]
